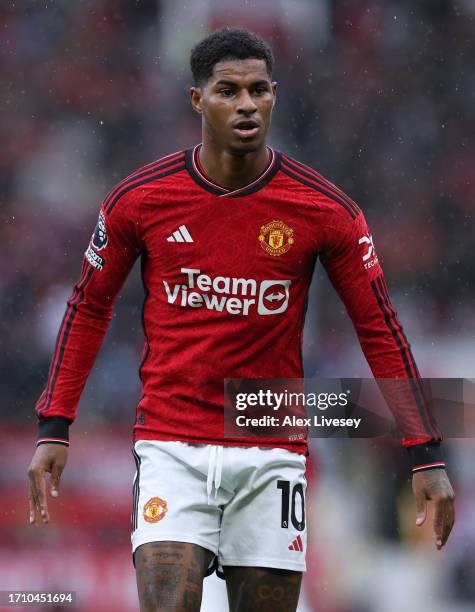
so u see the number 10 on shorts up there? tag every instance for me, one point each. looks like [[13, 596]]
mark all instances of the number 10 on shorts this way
[[289, 505]]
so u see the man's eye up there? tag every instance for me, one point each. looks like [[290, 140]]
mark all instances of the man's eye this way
[[226, 93]]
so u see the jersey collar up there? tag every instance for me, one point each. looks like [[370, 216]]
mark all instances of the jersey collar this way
[[197, 174]]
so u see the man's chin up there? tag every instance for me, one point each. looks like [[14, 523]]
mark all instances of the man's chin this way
[[245, 145]]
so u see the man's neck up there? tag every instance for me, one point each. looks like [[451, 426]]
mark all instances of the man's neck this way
[[232, 171]]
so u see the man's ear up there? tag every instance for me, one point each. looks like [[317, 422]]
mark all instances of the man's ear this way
[[274, 91], [196, 99]]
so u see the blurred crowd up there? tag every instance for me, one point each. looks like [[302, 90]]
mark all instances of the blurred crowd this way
[[376, 95]]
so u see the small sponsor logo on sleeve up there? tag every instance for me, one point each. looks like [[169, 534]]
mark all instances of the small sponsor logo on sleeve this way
[[369, 258], [94, 259], [98, 242], [99, 238]]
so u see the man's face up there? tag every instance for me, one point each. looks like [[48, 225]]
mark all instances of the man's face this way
[[236, 104]]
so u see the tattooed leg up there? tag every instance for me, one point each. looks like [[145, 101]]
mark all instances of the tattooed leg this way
[[261, 589], [170, 576]]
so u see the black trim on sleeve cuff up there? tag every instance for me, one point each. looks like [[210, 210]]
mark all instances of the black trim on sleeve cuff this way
[[48, 441], [53, 429], [427, 456]]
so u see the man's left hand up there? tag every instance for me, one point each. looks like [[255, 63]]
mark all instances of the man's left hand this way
[[435, 485]]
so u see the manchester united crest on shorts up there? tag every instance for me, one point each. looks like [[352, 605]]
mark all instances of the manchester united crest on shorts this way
[[276, 238], [154, 510]]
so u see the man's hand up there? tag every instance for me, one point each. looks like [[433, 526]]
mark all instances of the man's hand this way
[[435, 485], [47, 458]]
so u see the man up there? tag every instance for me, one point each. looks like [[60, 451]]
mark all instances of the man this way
[[229, 232]]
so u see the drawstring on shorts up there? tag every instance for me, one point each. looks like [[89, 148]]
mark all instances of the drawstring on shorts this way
[[215, 469]]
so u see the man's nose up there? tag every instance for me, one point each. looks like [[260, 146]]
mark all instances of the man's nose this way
[[246, 104]]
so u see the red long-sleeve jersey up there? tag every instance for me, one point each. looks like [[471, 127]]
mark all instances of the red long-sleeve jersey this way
[[226, 276]]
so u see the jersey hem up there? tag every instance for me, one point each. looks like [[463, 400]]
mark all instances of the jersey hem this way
[[300, 448]]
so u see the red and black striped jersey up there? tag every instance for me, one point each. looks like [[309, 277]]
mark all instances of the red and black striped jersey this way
[[226, 276]]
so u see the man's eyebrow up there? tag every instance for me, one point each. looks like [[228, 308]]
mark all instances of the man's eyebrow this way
[[233, 83], [225, 82]]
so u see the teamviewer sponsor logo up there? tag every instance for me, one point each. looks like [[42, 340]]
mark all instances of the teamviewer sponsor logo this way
[[273, 297], [235, 296]]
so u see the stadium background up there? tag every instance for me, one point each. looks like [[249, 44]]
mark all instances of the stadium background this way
[[378, 96]]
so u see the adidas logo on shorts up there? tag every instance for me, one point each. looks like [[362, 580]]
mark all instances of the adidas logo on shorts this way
[[297, 544]]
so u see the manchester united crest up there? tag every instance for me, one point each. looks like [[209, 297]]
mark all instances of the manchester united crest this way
[[154, 510], [276, 237]]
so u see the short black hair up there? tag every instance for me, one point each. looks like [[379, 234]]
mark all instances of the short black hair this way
[[227, 43]]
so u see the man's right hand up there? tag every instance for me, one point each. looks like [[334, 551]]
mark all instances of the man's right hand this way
[[50, 458]]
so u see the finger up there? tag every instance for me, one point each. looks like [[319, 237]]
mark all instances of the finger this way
[[439, 522], [449, 517], [421, 508], [32, 507], [55, 477], [36, 498], [33, 493], [39, 494]]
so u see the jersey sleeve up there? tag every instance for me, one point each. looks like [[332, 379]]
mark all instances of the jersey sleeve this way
[[108, 259], [352, 264]]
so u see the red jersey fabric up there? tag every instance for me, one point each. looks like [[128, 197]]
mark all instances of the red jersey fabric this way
[[226, 276]]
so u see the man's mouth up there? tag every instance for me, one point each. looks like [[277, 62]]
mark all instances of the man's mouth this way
[[247, 128]]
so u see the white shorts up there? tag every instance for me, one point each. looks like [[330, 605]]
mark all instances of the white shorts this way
[[246, 505]]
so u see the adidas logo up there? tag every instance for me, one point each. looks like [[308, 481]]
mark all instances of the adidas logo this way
[[297, 544], [181, 235]]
